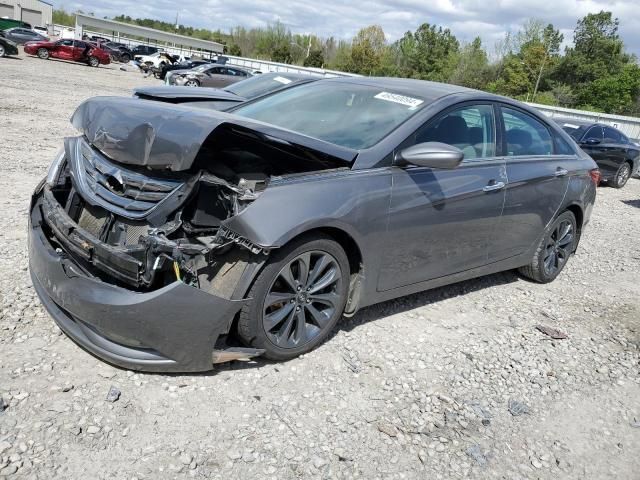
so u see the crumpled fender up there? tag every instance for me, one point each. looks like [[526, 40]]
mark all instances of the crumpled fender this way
[[165, 136]]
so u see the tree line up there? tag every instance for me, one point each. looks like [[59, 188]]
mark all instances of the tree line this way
[[595, 73]]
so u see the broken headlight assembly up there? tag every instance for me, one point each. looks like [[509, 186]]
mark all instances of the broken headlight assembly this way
[[56, 168]]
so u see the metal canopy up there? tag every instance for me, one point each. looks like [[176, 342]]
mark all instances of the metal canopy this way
[[83, 21]]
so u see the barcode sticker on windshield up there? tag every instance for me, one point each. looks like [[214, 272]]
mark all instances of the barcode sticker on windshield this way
[[571, 125], [401, 99], [283, 80]]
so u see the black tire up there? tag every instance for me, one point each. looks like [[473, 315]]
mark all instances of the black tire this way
[[93, 61], [43, 53], [553, 251], [306, 316], [2, 51], [192, 83], [622, 175], [125, 58]]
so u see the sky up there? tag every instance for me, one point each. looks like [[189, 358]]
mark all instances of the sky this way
[[343, 18]]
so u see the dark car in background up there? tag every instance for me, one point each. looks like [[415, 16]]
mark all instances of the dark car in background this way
[[141, 50], [161, 231], [228, 97], [69, 49], [617, 157], [22, 35], [208, 75], [7, 47], [118, 51]]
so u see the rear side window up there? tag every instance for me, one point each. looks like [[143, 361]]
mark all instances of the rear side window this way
[[611, 135], [525, 135], [562, 146], [469, 128]]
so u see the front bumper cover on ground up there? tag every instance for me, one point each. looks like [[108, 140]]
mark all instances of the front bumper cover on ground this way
[[174, 328]]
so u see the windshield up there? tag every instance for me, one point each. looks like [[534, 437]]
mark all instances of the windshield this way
[[347, 114], [259, 85], [576, 131]]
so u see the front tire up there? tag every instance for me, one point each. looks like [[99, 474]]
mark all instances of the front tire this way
[[297, 298], [552, 254], [93, 61], [622, 176], [43, 53], [192, 83]]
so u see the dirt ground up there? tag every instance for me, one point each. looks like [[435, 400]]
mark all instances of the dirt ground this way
[[450, 383]]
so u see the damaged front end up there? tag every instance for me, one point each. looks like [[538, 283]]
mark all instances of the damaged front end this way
[[129, 244]]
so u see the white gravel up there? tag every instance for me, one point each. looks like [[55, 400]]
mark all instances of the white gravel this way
[[451, 383]]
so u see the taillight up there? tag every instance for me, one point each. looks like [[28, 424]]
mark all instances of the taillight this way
[[595, 176]]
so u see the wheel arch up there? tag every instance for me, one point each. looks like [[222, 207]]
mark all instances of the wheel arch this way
[[578, 213], [351, 248]]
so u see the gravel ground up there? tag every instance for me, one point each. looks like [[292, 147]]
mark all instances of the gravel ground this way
[[451, 383]]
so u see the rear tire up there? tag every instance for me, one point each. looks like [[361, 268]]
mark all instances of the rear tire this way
[[93, 61], [298, 297], [622, 176], [43, 53], [554, 250]]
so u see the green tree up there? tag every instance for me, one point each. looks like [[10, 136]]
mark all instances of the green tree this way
[[427, 53], [617, 93], [62, 17], [315, 59], [234, 50], [471, 66], [367, 50]]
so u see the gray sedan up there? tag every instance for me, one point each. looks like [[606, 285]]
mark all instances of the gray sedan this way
[[162, 231], [208, 75]]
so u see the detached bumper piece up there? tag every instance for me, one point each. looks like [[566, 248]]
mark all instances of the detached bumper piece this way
[[172, 329]]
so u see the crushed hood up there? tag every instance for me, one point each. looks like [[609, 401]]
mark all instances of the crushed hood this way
[[166, 136], [187, 93]]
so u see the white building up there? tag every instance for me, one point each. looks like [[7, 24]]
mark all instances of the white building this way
[[35, 12]]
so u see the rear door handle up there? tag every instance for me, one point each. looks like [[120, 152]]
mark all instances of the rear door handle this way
[[561, 172], [493, 185]]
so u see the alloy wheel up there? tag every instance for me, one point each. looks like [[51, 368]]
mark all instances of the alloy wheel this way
[[2, 51], [191, 83], [303, 299], [558, 247], [43, 53], [93, 62], [623, 175]]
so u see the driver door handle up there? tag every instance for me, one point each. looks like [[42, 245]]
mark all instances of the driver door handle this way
[[561, 172], [493, 185]]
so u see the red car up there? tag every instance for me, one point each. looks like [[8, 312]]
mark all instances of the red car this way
[[69, 49]]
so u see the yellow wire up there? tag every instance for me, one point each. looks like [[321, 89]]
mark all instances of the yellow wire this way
[[176, 269]]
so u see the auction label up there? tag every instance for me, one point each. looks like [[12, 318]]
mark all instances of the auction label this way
[[282, 80], [401, 99]]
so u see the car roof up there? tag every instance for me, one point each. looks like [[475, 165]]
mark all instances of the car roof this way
[[575, 121], [291, 75], [428, 91]]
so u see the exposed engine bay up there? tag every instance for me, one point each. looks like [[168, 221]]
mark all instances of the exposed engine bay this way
[[144, 227]]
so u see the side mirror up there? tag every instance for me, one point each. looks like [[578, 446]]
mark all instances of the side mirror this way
[[591, 141], [431, 155]]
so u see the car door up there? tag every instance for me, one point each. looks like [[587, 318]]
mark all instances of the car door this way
[[62, 49], [539, 164], [441, 221], [214, 77], [591, 143], [80, 50], [613, 152]]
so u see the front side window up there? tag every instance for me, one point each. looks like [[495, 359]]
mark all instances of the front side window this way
[[594, 133], [344, 113], [525, 135], [469, 128]]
